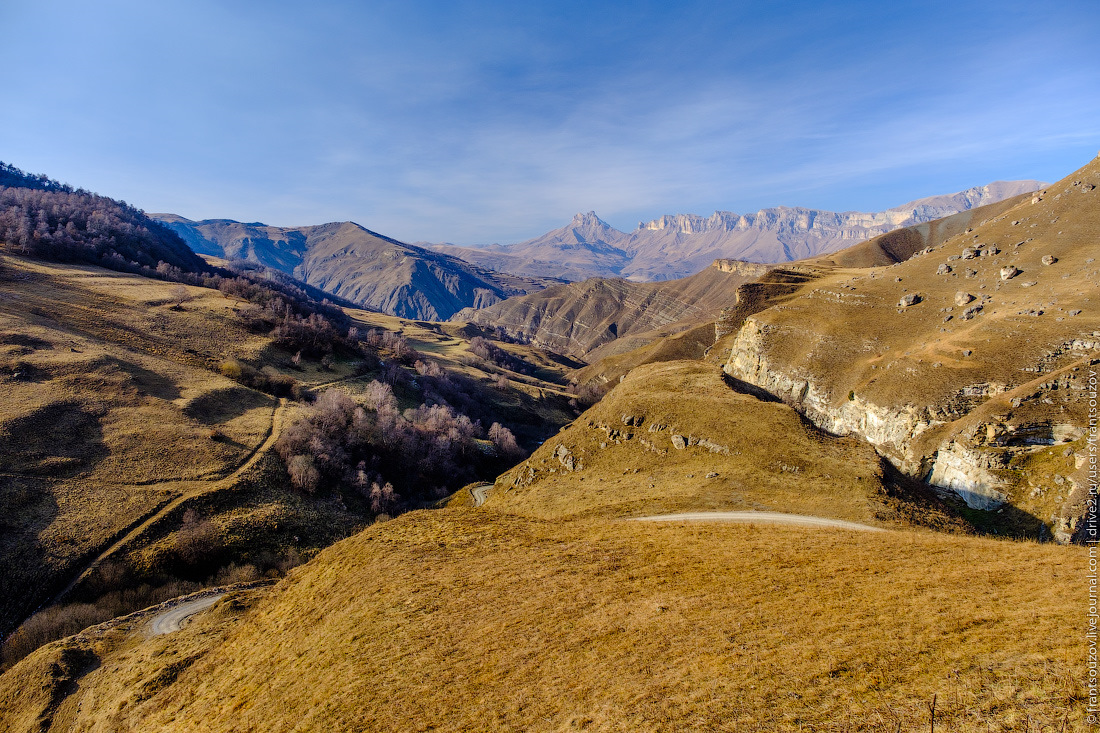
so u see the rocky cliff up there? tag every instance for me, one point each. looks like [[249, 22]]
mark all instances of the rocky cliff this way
[[966, 365]]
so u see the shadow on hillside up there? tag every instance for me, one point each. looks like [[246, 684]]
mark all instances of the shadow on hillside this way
[[57, 440], [761, 394], [222, 405], [27, 508], [150, 382]]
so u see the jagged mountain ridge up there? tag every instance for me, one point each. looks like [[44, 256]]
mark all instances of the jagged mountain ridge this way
[[358, 265], [674, 246]]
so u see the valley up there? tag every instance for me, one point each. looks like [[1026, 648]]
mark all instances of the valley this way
[[829, 492]]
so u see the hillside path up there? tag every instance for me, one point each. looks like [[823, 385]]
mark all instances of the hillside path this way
[[800, 520], [142, 524], [173, 619]]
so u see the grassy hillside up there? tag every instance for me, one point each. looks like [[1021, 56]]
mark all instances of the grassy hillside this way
[[111, 409], [978, 379], [127, 406], [677, 437], [525, 624]]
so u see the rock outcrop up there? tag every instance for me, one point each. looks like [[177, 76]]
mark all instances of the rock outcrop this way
[[679, 245], [996, 423]]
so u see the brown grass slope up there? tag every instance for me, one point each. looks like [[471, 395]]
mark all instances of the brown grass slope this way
[[578, 318], [987, 396], [117, 422], [676, 437], [110, 409], [461, 620], [359, 265]]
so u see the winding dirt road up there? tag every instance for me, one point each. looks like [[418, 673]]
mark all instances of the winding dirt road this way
[[174, 618], [762, 517], [479, 493]]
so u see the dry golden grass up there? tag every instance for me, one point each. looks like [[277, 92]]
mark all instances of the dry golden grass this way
[[1029, 346], [111, 409], [764, 455], [459, 620]]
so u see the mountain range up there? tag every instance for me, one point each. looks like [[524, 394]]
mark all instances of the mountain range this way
[[679, 245], [358, 265]]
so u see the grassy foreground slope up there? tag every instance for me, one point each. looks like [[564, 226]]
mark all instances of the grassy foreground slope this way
[[462, 620]]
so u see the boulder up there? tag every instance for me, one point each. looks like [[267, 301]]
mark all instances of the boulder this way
[[943, 269], [1008, 272], [1049, 259], [909, 299], [679, 442], [962, 298]]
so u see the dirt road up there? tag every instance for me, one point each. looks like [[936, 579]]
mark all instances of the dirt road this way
[[762, 517], [479, 493], [173, 619]]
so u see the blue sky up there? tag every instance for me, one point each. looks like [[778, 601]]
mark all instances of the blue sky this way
[[496, 121]]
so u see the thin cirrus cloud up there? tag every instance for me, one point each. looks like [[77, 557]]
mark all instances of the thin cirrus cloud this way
[[492, 122]]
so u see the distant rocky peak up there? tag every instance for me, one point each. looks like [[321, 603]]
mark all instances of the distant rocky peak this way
[[589, 220]]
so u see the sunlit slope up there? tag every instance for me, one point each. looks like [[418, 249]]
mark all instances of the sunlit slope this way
[[676, 437], [110, 407], [966, 363], [462, 620], [578, 318]]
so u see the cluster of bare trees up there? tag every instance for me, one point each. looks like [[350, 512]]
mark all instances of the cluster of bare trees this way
[[392, 458], [50, 220], [487, 350]]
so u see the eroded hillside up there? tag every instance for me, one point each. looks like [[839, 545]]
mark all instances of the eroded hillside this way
[[578, 318], [965, 364]]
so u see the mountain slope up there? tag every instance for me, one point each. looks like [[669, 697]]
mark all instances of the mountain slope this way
[[679, 245], [585, 247], [359, 265], [577, 318], [533, 625], [965, 364]]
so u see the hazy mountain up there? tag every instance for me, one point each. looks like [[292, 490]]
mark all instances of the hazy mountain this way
[[358, 265], [678, 245]]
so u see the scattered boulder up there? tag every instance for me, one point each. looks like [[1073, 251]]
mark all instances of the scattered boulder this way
[[969, 253], [712, 474], [971, 311], [962, 298], [909, 299], [634, 420], [565, 457], [1008, 272], [1049, 259], [679, 442], [944, 269]]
